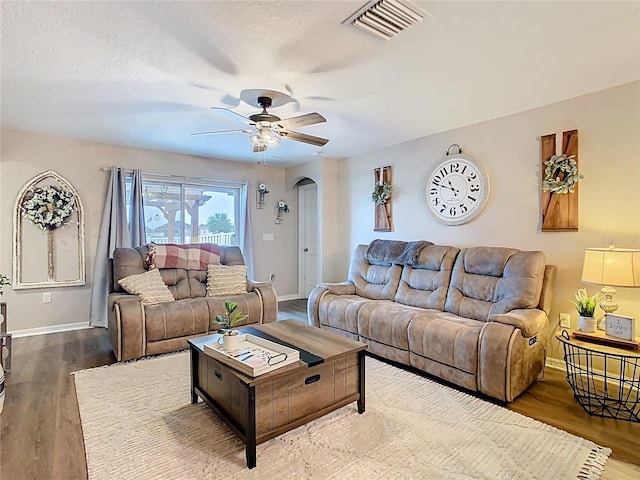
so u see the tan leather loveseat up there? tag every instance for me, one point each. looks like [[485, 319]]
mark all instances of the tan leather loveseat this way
[[471, 316], [136, 329]]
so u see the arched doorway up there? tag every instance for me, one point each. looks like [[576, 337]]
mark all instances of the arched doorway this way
[[307, 236]]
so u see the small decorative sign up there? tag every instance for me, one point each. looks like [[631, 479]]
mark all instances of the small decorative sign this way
[[619, 326]]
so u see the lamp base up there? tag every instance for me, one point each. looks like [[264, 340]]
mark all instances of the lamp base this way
[[607, 304]]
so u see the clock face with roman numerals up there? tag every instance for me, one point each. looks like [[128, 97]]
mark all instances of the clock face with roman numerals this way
[[457, 190]]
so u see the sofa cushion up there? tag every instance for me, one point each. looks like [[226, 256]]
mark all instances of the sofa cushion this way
[[197, 283], [176, 280], [377, 282], [248, 303], [446, 338], [149, 286], [341, 311], [386, 322], [226, 280], [425, 283], [126, 262], [176, 319], [494, 280]]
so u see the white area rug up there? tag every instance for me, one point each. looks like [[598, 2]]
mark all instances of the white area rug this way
[[138, 423]]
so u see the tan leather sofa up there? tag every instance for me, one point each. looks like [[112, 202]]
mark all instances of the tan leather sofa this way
[[473, 317], [136, 330]]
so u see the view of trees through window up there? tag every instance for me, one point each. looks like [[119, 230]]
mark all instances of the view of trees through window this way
[[177, 212]]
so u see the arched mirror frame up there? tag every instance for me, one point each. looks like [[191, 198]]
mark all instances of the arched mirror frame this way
[[38, 180]]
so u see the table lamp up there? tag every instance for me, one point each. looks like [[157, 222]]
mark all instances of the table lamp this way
[[619, 267]]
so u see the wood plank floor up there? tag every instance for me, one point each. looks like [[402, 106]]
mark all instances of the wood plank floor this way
[[41, 436]]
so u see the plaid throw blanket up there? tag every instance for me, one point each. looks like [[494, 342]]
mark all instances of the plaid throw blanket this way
[[190, 257]]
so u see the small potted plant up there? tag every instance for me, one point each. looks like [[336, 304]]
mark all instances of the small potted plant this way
[[586, 307], [232, 318]]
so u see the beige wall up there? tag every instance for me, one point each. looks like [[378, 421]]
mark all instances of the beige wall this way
[[609, 157], [324, 173], [24, 155]]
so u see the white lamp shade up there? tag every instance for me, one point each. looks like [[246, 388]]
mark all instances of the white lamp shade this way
[[618, 267]]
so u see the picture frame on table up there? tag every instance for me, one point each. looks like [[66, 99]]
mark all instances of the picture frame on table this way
[[620, 326]]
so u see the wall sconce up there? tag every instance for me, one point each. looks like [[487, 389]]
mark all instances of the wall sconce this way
[[611, 267], [262, 191], [281, 209]]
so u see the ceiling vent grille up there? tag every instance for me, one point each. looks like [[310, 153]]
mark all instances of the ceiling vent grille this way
[[385, 19]]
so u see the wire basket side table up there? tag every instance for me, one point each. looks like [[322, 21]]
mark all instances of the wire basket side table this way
[[605, 380], [5, 339]]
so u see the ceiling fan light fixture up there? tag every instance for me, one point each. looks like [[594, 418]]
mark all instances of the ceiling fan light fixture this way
[[264, 137]]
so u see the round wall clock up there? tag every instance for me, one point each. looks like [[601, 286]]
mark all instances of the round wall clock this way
[[457, 189]]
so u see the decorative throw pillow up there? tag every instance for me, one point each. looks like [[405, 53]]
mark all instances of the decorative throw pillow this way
[[226, 280], [149, 286]]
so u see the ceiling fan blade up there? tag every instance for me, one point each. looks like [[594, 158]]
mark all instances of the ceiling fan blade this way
[[237, 116], [222, 131], [302, 120], [303, 137], [259, 148]]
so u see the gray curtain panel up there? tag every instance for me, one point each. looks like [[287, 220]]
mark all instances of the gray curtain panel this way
[[115, 232], [136, 223], [245, 231]]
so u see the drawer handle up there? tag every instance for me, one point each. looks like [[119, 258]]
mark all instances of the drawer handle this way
[[312, 379], [217, 374]]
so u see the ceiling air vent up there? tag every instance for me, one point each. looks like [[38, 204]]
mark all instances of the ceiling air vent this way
[[385, 19]]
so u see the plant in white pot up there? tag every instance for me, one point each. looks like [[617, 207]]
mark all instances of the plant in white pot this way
[[586, 307], [232, 318]]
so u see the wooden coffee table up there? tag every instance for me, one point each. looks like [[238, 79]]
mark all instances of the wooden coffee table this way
[[330, 375]]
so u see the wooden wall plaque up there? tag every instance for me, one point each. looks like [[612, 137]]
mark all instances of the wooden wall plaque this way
[[383, 221], [559, 210]]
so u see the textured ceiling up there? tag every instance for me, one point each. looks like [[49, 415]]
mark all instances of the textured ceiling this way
[[144, 74]]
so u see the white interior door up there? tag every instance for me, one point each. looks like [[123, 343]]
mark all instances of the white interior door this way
[[308, 238]]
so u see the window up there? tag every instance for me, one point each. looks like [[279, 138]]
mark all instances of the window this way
[[203, 211]]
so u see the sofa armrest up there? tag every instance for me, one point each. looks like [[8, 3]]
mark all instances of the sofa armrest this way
[[268, 298], [126, 326], [342, 288], [316, 295], [530, 321]]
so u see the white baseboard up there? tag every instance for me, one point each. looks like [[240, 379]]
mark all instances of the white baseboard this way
[[67, 327], [556, 364], [283, 298]]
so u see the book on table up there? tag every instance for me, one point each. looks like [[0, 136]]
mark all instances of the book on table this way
[[253, 355]]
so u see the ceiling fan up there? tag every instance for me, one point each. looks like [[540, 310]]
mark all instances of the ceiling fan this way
[[267, 129]]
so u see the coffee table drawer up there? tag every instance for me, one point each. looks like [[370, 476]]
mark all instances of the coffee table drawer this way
[[311, 391], [290, 398], [220, 383]]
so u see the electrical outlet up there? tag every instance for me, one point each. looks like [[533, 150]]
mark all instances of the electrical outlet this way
[[565, 320], [46, 297]]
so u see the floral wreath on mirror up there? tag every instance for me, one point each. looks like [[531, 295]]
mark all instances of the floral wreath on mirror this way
[[561, 174], [381, 193], [48, 207]]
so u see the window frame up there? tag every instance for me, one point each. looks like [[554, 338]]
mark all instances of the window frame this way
[[184, 183]]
